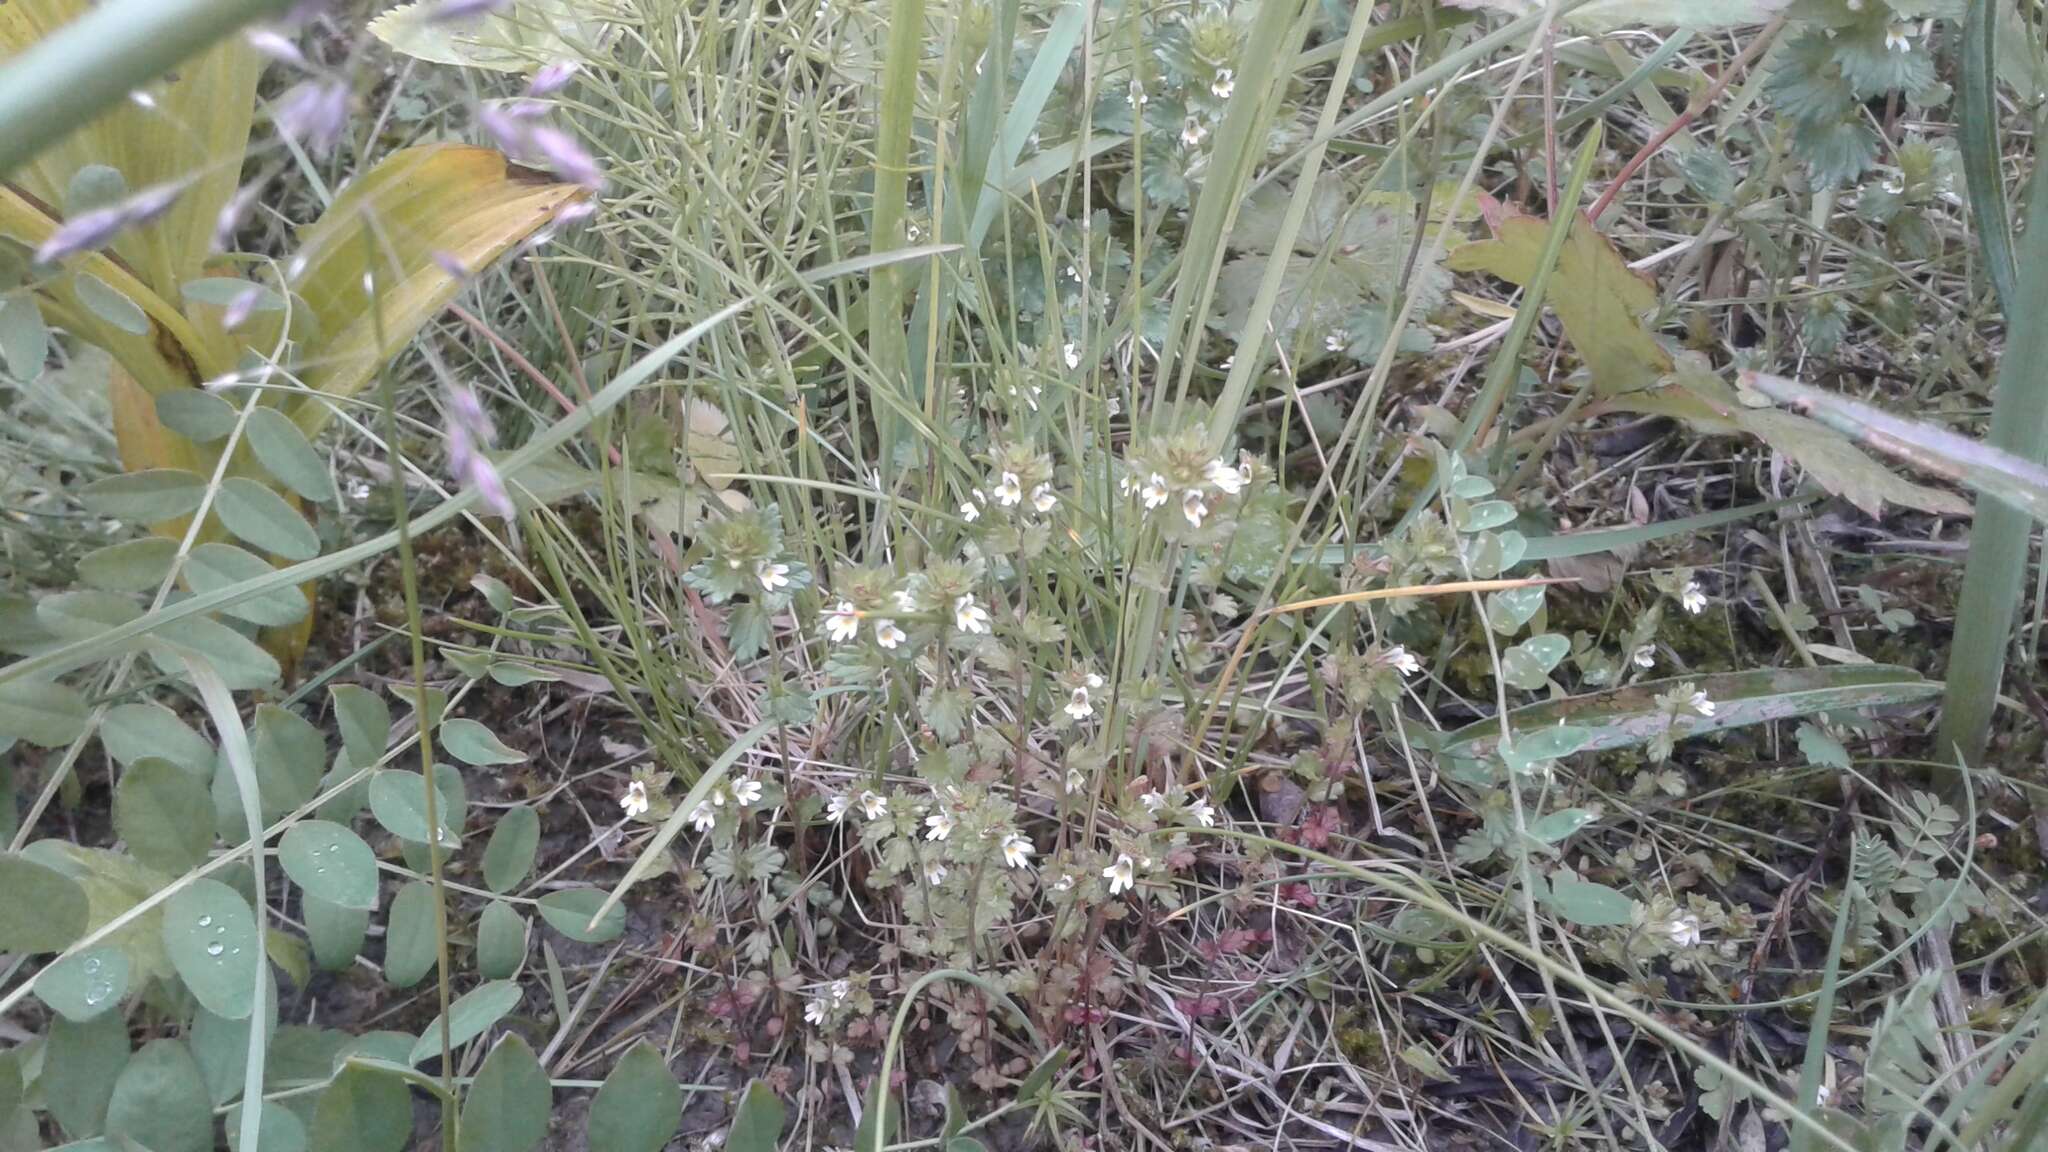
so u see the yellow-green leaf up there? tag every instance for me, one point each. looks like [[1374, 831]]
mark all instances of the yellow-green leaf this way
[[520, 37]]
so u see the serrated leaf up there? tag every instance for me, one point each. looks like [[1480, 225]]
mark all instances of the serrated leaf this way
[[159, 1101], [24, 338], [285, 453], [757, 1124], [164, 815], [196, 414], [365, 722], [81, 1063], [508, 857], [130, 566], [473, 743], [110, 304], [45, 714], [330, 862], [150, 496], [500, 941], [336, 933], [210, 936], [213, 567], [507, 1107], [639, 1106], [409, 935], [469, 1017], [1587, 904], [363, 1110], [568, 911], [132, 732], [255, 513], [398, 799], [81, 987]]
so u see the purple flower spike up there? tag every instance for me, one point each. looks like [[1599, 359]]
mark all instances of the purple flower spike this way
[[567, 157], [275, 46], [448, 10], [314, 113], [238, 310], [552, 79], [94, 230]]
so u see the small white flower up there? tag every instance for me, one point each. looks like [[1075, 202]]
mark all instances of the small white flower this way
[[1693, 599], [1043, 498], [934, 873], [1684, 930], [772, 576], [940, 825], [1227, 480], [1078, 706], [1898, 38], [887, 634], [634, 802], [842, 623], [1121, 875], [359, 490], [969, 616], [1401, 660], [1063, 884], [1016, 850], [839, 990], [1192, 132], [1224, 84], [970, 511], [1137, 95], [746, 793], [1154, 493], [873, 805], [903, 600], [1822, 1094], [835, 808], [816, 1011], [1194, 508], [1203, 812], [1154, 802], [1334, 342], [1072, 354], [1009, 492], [1075, 781], [1700, 704], [1645, 656], [703, 818]]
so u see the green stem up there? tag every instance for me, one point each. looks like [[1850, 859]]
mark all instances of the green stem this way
[[86, 66]]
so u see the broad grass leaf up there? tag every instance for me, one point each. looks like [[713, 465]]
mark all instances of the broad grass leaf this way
[[363, 1110], [568, 911], [210, 936], [473, 743], [469, 1017], [164, 815], [196, 414], [468, 203], [41, 909], [286, 453], [44, 713], [138, 565], [500, 941], [365, 722], [330, 862], [150, 496], [82, 987], [506, 1108], [757, 1126], [409, 935], [81, 1063], [508, 857], [159, 1101], [398, 799], [257, 514], [336, 933], [639, 1106]]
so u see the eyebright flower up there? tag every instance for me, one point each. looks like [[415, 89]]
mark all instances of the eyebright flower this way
[[934, 873], [835, 808], [1684, 930], [1898, 38], [1401, 660], [1224, 84], [1009, 491], [703, 818], [815, 1012], [1154, 802], [1203, 812], [746, 793], [1044, 498], [1645, 656], [634, 802], [970, 511], [1693, 599], [842, 623], [887, 634], [939, 825], [1194, 508], [873, 805], [1078, 706], [1071, 354], [1334, 342], [1016, 850], [1227, 480], [969, 616], [1191, 132], [1074, 782], [840, 990], [1154, 493], [1700, 704], [772, 576], [1121, 875]]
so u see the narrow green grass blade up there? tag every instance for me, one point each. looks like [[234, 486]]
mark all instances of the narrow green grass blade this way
[[1022, 117], [887, 337], [1823, 1016], [1977, 133]]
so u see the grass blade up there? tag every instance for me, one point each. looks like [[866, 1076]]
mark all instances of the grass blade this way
[[1977, 104]]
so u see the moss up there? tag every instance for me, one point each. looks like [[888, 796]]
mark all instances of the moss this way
[[1361, 1043]]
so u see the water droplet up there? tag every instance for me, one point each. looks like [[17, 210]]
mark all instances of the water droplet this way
[[94, 993], [215, 948], [92, 964], [205, 921]]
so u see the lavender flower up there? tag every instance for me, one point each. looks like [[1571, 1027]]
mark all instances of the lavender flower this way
[[238, 310], [275, 46], [552, 79], [470, 431], [314, 113], [448, 10], [94, 230], [567, 157], [513, 125], [230, 219], [450, 263]]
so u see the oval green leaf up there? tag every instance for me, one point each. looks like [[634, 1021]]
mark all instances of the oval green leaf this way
[[110, 304], [210, 937], [365, 721], [500, 941], [196, 414], [331, 863], [41, 909], [472, 743], [757, 1124], [81, 1063], [133, 732], [336, 933], [409, 935], [398, 799], [506, 1109], [363, 1110], [131, 566], [215, 566], [509, 855], [160, 1101], [81, 987], [164, 814], [84, 614], [150, 496], [286, 454], [639, 1106], [469, 1017], [569, 910], [43, 713], [258, 515]]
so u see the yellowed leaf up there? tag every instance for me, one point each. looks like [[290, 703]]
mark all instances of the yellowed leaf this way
[[1598, 298], [465, 202]]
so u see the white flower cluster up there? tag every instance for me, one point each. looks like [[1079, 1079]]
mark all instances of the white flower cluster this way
[[1196, 502], [739, 794]]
